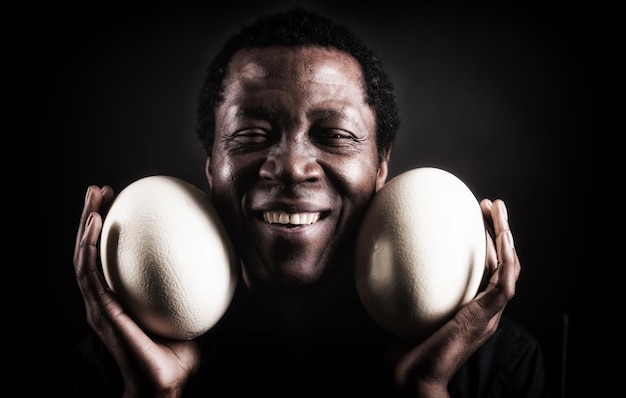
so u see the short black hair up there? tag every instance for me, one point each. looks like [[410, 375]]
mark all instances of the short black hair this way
[[298, 27]]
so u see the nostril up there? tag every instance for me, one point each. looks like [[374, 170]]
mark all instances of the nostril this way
[[268, 169], [290, 168]]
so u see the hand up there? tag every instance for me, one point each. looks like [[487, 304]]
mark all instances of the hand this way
[[148, 364], [426, 370]]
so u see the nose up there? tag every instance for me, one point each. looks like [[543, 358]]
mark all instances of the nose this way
[[291, 161]]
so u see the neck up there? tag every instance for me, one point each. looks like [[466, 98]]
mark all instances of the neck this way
[[298, 307]]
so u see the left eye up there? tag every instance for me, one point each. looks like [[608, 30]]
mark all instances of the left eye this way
[[335, 137]]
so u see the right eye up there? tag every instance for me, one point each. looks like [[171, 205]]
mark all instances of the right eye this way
[[249, 139], [252, 137]]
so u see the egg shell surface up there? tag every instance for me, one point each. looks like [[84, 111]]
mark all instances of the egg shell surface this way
[[167, 256], [420, 252]]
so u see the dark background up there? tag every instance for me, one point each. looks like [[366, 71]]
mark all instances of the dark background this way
[[509, 98]]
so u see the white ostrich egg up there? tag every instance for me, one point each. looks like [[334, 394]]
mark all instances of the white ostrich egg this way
[[166, 255], [420, 251]]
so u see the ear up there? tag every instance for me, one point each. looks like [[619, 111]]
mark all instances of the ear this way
[[383, 169], [208, 171]]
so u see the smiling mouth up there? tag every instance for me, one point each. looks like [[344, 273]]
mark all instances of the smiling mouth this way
[[281, 217]]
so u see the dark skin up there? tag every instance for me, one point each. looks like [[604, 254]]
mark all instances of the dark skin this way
[[293, 168]]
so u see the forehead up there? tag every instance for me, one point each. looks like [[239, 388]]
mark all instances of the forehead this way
[[313, 64]]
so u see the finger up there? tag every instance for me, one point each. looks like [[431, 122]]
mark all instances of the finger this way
[[96, 200], [485, 206], [85, 252], [100, 303], [105, 314], [501, 287], [91, 204], [98, 298], [500, 217], [507, 256], [87, 274], [491, 259]]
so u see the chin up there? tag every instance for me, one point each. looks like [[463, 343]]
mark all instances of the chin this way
[[293, 277]]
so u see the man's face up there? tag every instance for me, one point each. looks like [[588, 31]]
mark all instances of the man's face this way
[[295, 162]]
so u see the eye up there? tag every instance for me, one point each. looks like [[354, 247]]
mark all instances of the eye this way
[[251, 137], [248, 139], [335, 137]]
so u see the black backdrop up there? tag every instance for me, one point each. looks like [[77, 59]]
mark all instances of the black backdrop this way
[[508, 98]]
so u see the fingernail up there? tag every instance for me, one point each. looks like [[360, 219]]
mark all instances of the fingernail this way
[[87, 194]]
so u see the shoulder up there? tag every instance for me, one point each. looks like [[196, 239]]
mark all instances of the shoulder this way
[[94, 369], [514, 336], [511, 347], [509, 364]]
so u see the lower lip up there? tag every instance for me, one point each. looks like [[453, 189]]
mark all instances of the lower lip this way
[[288, 228], [302, 234]]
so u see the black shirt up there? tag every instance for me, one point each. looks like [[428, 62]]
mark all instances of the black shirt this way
[[244, 355]]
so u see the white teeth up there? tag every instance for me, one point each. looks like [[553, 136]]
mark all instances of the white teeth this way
[[281, 217]]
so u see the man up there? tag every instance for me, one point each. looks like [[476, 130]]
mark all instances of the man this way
[[297, 118]]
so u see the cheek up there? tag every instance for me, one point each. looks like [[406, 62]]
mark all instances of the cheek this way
[[222, 168], [222, 175], [224, 195], [233, 177], [359, 177]]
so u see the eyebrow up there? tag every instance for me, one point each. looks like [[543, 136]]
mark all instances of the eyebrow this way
[[261, 112], [331, 113], [257, 112]]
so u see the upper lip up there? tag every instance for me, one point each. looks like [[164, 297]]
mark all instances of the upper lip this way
[[290, 206]]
